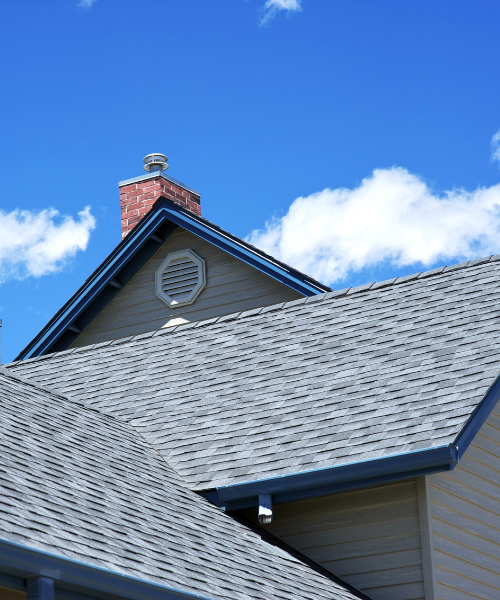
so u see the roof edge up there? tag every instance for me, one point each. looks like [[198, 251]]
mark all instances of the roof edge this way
[[163, 213], [24, 562], [329, 480], [92, 287], [478, 417], [238, 248]]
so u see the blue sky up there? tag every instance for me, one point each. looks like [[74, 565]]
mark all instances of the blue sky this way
[[253, 116]]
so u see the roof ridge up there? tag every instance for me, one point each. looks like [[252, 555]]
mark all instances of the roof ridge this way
[[264, 309], [53, 392], [12, 375], [84, 405]]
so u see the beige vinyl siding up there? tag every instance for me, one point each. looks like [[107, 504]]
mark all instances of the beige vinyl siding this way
[[465, 509], [9, 594], [369, 537], [232, 286]]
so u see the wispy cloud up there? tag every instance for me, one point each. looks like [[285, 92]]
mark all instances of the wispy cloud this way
[[392, 217], [272, 7], [38, 243], [495, 147], [86, 3]]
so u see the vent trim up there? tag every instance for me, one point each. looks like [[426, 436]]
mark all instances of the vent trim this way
[[180, 278]]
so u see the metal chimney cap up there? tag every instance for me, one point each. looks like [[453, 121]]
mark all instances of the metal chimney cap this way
[[155, 162]]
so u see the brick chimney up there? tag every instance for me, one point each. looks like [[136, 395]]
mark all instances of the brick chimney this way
[[138, 195]]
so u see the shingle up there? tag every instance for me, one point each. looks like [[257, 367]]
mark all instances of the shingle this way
[[426, 274], [407, 278], [360, 288], [336, 293], [299, 373], [78, 483], [479, 261], [316, 298]]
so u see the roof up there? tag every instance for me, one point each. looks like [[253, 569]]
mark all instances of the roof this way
[[132, 253], [83, 485], [331, 380]]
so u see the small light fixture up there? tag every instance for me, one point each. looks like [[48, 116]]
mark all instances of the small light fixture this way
[[265, 508]]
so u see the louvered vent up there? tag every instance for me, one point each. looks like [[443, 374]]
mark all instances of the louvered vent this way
[[180, 278]]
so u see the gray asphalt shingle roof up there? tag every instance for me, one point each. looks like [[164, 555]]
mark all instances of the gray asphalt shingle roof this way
[[328, 380], [85, 486]]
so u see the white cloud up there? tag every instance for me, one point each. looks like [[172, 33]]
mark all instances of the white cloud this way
[[38, 243], [495, 147], [86, 3], [392, 217], [272, 7]]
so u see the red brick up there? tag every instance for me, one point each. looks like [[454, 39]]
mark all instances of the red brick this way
[[128, 188], [149, 196], [130, 213], [152, 194], [134, 206], [136, 200], [150, 182], [132, 195]]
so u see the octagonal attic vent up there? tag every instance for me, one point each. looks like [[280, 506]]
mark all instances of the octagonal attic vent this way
[[180, 278]]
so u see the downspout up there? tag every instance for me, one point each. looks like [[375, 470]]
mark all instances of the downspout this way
[[40, 588]]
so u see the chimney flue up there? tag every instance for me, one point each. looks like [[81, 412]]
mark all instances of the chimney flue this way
[[154, 163]]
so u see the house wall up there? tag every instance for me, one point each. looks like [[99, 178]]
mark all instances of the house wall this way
[[370, 537], [232, 286], [8, 594], [465, 509]]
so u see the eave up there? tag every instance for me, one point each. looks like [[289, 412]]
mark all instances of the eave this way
[[339, 478], [132, 253], [74, 579]]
